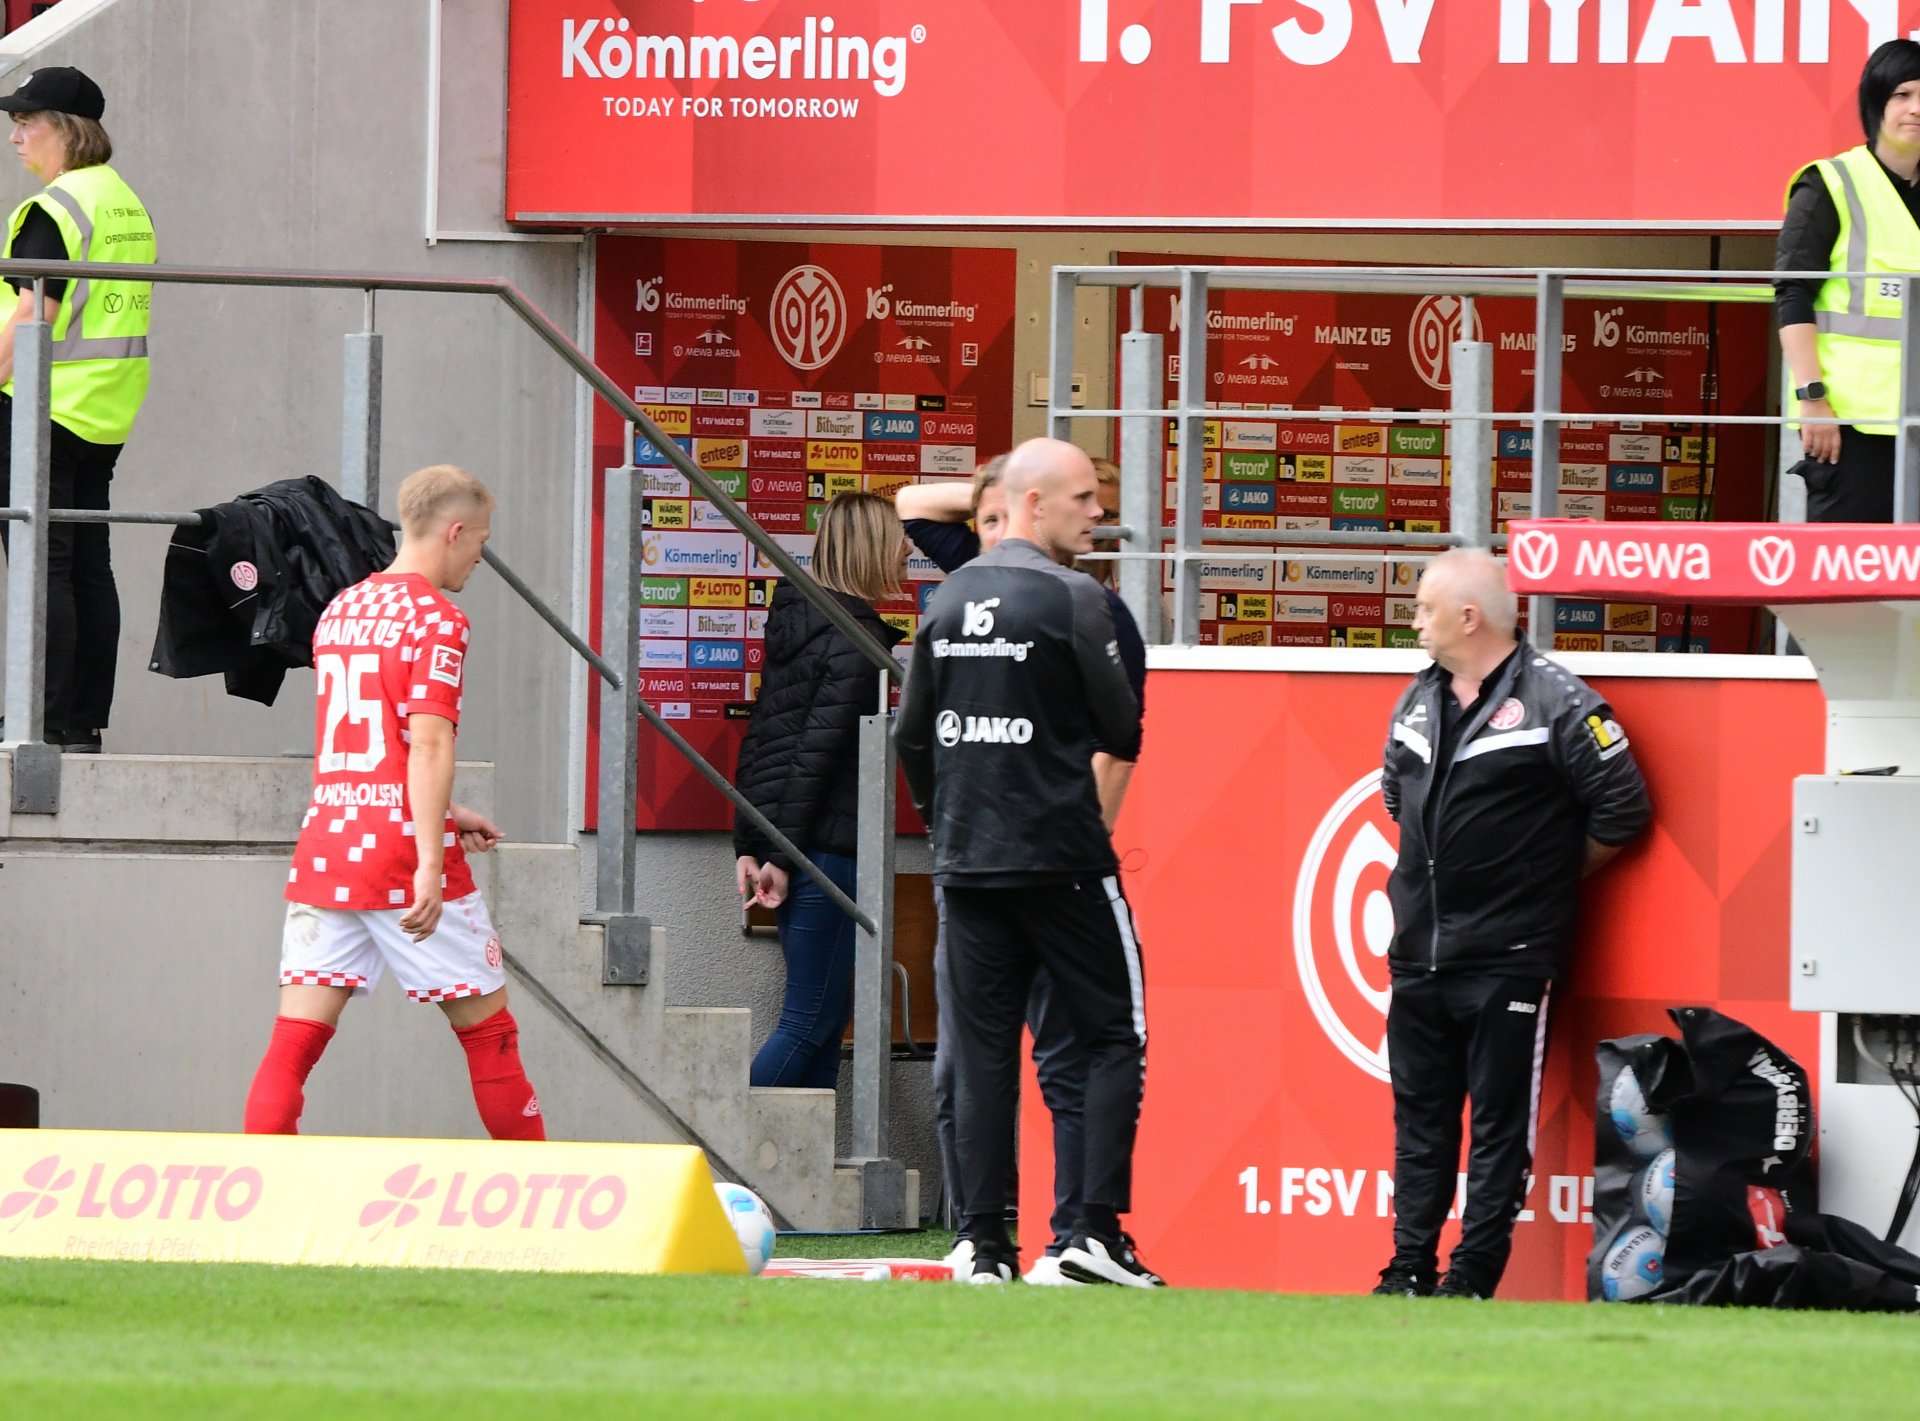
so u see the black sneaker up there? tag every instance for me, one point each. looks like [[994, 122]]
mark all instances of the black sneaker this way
[[1458, 1285], [991, 1266], [75, 742], [1089, 1258], [1399, 1281]]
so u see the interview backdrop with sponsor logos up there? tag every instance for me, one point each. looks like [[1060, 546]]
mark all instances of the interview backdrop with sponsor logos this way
[[791, 372], [1386, 359], [1256, 860], [1160, 112]]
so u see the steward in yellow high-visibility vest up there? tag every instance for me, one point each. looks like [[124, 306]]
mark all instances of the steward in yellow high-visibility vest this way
[[97, 373], [1856, 215]]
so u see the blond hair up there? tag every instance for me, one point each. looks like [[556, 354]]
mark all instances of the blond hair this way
[[427, 497], [1106, 471], [858, 550], [85, 142]]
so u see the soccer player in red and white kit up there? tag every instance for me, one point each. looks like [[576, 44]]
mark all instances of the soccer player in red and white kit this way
[[380, 876]]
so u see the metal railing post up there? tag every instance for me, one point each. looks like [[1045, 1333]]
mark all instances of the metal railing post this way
[[360, 415], [883, 1183], [1906, 448], [1470, 494], [1142, 358], [1190, 465], [1549, 333], [616, 847], [1060, 333], [27, 544]]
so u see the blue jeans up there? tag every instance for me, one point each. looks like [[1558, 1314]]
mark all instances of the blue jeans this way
[[816, 938]]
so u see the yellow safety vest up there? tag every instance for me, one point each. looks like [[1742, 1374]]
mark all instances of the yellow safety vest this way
[[99, 370], [1858, 320]]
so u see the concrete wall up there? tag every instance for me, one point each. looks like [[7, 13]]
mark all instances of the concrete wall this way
[[294, 135]]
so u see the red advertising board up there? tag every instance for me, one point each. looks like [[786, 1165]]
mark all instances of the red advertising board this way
[[1763, 562], [1385, 466], [791, 373], [1266, 1147], [1159, 112]]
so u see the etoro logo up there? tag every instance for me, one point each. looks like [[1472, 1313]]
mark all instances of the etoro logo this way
[[1771, 560], [1535, 553], [1343, 925], [404, 1189], [44, 1180], [809, 317], [1438, 321]]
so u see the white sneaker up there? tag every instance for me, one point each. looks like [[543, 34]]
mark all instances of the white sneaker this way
[[960, 1260], [1046, 1273]]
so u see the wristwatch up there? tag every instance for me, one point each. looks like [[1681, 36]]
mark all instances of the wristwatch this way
[[1815, 391]]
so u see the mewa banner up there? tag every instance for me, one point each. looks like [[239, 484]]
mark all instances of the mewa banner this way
[[1265, 1156], [1417, 113]]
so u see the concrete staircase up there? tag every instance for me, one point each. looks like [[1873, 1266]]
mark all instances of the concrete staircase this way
[[141, 930]]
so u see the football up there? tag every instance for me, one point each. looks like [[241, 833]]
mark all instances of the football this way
[[1633, 1266], [1654, 1189], [1645, 1133], [752, 1224]]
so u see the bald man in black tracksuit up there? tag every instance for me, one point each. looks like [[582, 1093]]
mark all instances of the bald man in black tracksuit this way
[[1015, 680]]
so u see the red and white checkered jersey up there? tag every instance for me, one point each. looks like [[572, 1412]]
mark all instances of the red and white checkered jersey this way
[[384, 649]]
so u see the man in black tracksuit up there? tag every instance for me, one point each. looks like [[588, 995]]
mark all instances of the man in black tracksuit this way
[[1510, 780], [1015, 679]]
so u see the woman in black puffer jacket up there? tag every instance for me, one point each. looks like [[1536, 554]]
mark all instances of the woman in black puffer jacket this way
[[799, 766]]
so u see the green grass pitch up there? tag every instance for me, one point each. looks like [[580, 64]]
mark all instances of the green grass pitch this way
[[93, 1340]]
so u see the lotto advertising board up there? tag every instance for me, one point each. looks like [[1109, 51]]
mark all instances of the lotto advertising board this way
[[1265, 1155], [1180, 112], [791, 373], [1386, 466]]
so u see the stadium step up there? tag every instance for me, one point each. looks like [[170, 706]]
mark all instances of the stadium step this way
[[695, 1060], [168, 871]]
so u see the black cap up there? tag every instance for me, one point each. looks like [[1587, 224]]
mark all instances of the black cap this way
[[62, 90]]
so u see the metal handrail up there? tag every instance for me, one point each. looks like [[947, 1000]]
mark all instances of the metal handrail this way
[[1142, 410], [883, 1189], [542, 325]]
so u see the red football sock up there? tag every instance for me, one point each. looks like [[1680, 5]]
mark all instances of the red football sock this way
[[508, 1107], [275, 1102]]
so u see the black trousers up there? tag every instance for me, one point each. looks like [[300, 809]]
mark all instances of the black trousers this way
[[1453, 1038], [1082, 934], [1062, 1069], [1858, 489], [83, 604]]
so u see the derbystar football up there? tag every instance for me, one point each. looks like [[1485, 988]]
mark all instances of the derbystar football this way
[[1645, 1133], [752, 1224], [1654, 1189], [1633, 1265]]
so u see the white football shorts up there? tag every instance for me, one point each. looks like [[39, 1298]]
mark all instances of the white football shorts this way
[[344, 947]]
